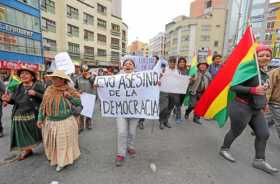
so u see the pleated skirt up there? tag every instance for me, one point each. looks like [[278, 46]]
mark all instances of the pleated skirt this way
[[61, 142], [24, 132]]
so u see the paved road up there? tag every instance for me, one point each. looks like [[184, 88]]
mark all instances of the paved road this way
[[184, 154]]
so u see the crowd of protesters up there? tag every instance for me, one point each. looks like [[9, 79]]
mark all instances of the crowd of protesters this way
[[53, 105]]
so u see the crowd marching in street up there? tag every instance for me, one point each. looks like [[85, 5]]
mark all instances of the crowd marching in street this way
[[48, 111]]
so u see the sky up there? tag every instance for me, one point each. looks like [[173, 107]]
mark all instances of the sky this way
[[146, 18]]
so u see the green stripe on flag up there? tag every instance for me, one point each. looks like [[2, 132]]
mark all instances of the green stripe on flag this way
[[13, 83], [244, 72]]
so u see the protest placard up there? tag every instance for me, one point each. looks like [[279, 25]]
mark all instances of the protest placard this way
[[63, 62], [88, 103], [134, 95], [141, 63], [172, 82]]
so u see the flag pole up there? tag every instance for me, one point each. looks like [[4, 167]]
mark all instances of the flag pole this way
[[255, 53]]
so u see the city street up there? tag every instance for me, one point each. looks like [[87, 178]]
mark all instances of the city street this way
[[185, 154]]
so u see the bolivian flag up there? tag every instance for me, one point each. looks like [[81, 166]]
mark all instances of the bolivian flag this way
[[193, 69], [13, 83], [239, 67]]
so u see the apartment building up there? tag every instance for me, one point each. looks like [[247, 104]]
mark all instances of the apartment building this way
[[157, 45], [239, 12], [20, 34], [138, 48], [201, 7], [91, 31], [186, 35], [272, 32]]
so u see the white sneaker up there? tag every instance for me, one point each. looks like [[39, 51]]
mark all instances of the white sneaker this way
[[58, 168]]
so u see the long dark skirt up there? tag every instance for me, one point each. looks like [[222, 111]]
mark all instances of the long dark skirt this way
[[24, 132]]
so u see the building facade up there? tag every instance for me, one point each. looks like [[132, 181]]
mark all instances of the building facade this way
[[201, 7], [239, 12], [91, 31], [157, 45], [138, 48], [20, 34], [186, 35], [272, 35]]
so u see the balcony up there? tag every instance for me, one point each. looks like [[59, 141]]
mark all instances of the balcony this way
[[101, 58], [124, 51], [88, 56], [75, 55], [115, 33], [115, 46]]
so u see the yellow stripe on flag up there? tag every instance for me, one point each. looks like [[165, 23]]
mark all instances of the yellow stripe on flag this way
[[250, 55], [218, 104]]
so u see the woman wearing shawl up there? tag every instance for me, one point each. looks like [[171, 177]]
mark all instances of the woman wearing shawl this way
[[59, 126]]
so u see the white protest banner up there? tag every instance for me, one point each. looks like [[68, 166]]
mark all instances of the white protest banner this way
[[88, 103], [63, 62], [134, 95], [172, 82], [141, 63]]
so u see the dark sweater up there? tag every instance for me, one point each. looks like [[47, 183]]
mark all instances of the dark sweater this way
[[243, 91], [23, 103]]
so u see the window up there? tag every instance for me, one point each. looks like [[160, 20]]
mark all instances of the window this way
[[89, 51], [115, 43], [49, 45], [33, 3], [74, 48], [88, 35], [115, 56], [257, 12], [18, 18], [48, 25], [209, 4], [123, 46], [12, 43], [270, 25], [72, 30], [2, 13], [216, 43], [72, 12], [101, 38], [206, 28], [268, 36], [115, 27], [101, 9], [205, 38], [48, 6], [101, 52], [123, 35], [101, 23], [88, 19]]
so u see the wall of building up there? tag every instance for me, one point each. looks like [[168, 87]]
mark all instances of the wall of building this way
[[20, 32], [186, 36], [272, 35], [101, 37], [157, 45]]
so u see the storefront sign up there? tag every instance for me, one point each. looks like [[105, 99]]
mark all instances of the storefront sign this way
[[17, 65], [13, 29]]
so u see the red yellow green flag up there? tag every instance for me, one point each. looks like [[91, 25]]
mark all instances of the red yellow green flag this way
[[193, 69], [13, 83], [239, 67]]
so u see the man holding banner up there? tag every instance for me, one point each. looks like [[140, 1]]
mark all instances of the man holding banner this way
[[172, 85], [124, 97]]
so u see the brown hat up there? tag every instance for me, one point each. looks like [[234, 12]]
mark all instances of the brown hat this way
[[31, 71], [204, 62], [60, 74]]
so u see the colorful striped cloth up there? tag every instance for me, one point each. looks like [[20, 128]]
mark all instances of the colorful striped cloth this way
[[239, 67]]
